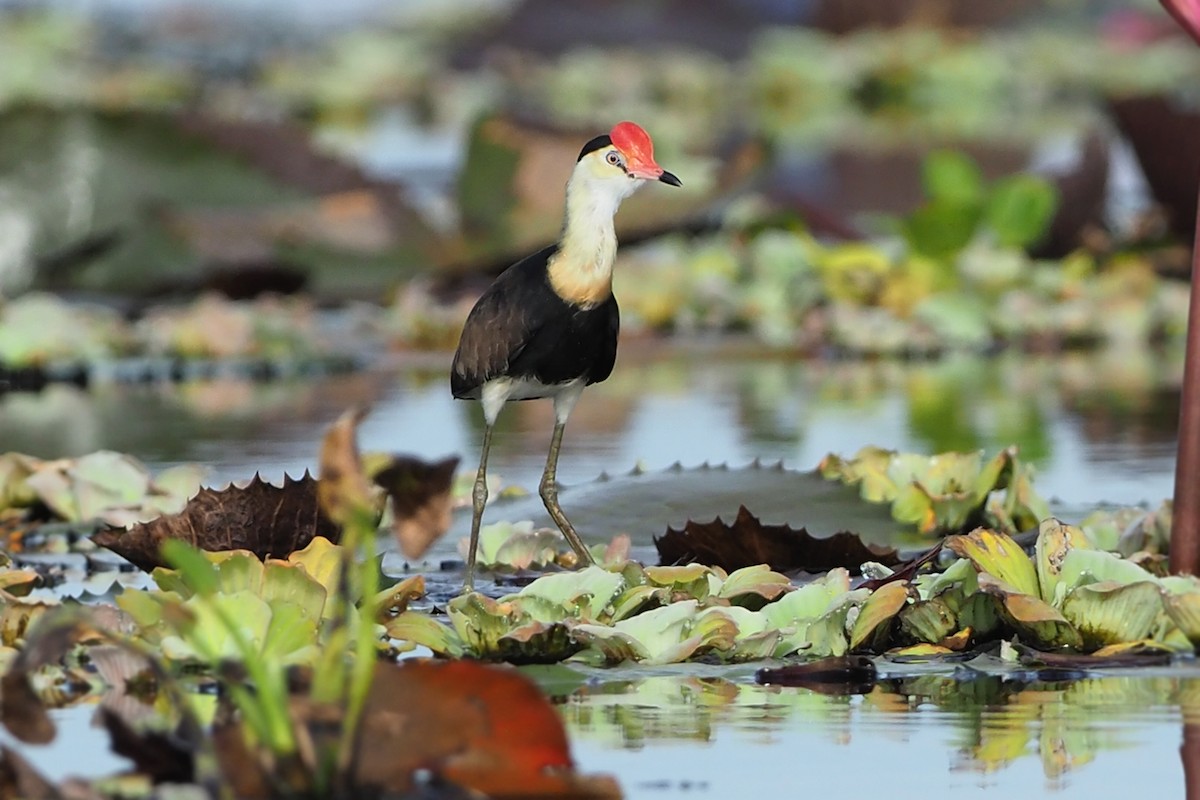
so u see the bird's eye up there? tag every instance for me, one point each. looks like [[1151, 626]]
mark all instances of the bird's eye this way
[[614, 158]]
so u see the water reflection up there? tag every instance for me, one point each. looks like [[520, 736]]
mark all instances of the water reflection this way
[[1105, 736], [1100, 426]]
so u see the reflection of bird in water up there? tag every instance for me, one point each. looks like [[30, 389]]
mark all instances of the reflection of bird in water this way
[[548, 325]]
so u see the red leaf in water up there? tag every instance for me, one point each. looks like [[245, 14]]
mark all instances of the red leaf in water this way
[[483, 727], [264, 519], [748, 542]]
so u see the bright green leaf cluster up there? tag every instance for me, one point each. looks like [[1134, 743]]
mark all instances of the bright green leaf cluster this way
[[944, 493]]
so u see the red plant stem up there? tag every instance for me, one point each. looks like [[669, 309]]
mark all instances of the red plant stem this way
[[1189, 754], [1185, 517]]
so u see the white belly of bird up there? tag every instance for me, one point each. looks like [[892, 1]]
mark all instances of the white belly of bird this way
[[498, 391]]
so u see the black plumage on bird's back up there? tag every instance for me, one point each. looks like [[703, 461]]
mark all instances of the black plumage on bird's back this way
[[521, 328]]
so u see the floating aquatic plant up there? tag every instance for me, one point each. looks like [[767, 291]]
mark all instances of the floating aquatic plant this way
[[946, 492]]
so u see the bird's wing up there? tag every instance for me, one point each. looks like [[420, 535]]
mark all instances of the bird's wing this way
[[497, 330]]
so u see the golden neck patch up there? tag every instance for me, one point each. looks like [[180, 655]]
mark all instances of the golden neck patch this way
[[580, 284]]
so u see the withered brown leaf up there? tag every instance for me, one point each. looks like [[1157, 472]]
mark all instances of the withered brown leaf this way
[[264, 519], [421, 501], [343, 489], [747, 542]]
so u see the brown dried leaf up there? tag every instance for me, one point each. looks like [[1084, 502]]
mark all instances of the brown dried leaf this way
[[19, 779], [269, 521], [344, 492], [156, 754], [22, 711], [748, 542], [420, 496]]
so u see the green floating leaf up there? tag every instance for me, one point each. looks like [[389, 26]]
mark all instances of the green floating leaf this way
[[664, 635], [1055, 540], [1108, 613], [875, 617], [199, 573], [942, 493], [952, 176], [928, 621], [416, 628], [1020, 209], [583, 595], [1038, 622], [999, 556]]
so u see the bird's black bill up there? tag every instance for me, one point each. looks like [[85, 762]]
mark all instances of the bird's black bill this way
[[667, 177]]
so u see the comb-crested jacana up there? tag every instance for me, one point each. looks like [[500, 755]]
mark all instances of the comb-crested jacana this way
[[547, 327]]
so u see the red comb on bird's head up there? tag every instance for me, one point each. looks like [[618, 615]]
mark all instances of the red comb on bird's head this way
[[634, 143], [632, 140]]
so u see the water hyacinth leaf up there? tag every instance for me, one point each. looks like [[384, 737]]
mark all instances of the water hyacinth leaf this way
[[758, 582], [198, 572], [875, 617], [824, 636], [203, 635], [583, 594], [480, 621], [237, 571], [290, 584], [999, 556], [421, 629], [635, 598], [1055, 540], [755, 640], [1034, 619], [942, 493], [664, 635], [922, 653], [1108, 613], [961, 573], [928, 621], [321, 559], [691, 580], [291, 636], [1080, 567], [810, 601], [1181, 601], [395, 598], [514, 545]]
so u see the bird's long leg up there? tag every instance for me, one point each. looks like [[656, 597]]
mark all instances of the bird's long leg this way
[[479, 499], [548, 489]]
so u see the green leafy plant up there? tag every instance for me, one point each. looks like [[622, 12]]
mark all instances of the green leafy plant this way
[[1015, 211], [944, 493]]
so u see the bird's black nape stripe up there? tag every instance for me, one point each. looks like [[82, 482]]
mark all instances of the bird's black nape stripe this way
[[594, 145]]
